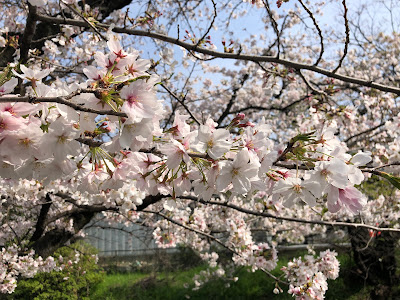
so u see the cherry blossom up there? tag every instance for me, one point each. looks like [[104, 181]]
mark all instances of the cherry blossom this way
[[293, 189], [240, 172], [214, 143], [33, 75], [139, 102], [278, 141], [9, 86], [350, 198]]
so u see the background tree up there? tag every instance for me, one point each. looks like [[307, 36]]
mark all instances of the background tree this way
[[276, 139]]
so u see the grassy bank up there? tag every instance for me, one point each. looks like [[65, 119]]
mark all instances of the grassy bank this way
[[171, 285]]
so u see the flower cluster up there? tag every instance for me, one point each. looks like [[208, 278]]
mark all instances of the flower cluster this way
[[13, 265], [308, 276], [103, 140]]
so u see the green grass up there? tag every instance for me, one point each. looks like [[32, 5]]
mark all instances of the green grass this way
[[257, 285], [116, 282]]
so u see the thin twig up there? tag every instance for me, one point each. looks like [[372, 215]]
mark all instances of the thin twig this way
[[180, 102], [346, 43], [290, 219], [226, 112], [211, 24], [321, 38], [274, 26], [61, 100], [86, 21], [192, 229], [235, 56]]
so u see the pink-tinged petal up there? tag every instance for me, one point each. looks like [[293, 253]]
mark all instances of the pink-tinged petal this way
[[308, 198], [25, 70], [174, 160], [353, 199], [241, 159], [221, 134], [114, 45], [339, 180], [361, 159], [93, 73], [314, 187], [9, 86], [204, 134], [170, 204], [333, 199], [9, 122], [282, 186], [250, 171], [355, 175], [218, 150], [241, 185], [223, 181], [338, 166], [289, 201]]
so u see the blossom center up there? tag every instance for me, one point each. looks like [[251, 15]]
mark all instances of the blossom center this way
[[133, 99], [210, 143], [25, 142], [250, 145], [325, 172], [297, 188], [235, 171], [132, 70], [62, 139]]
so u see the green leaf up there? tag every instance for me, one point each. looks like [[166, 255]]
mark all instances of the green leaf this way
[[5, 75], [392, 179], [324, 211], [303, 137], [45, 127]]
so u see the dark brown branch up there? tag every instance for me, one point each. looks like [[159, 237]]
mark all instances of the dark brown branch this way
[[61, 100], [290, 219], [395, 163], [29, 32], [346, 43], [87, 22], [226, 112], [180, 102], [235, 56], [209, 236], [275, 27], [365, 131], [310, 86], [211, 24], [149, 200], [40, 223], [106, 7], [282, 109], [90, 142], [51, 241], [321, 38]]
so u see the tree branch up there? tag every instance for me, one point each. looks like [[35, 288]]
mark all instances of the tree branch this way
[[180, 102], [61, 100], [321, 38], [290, 219], [29, 32], [232, 100], [235, 56], [346, 43], [40, 223]]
